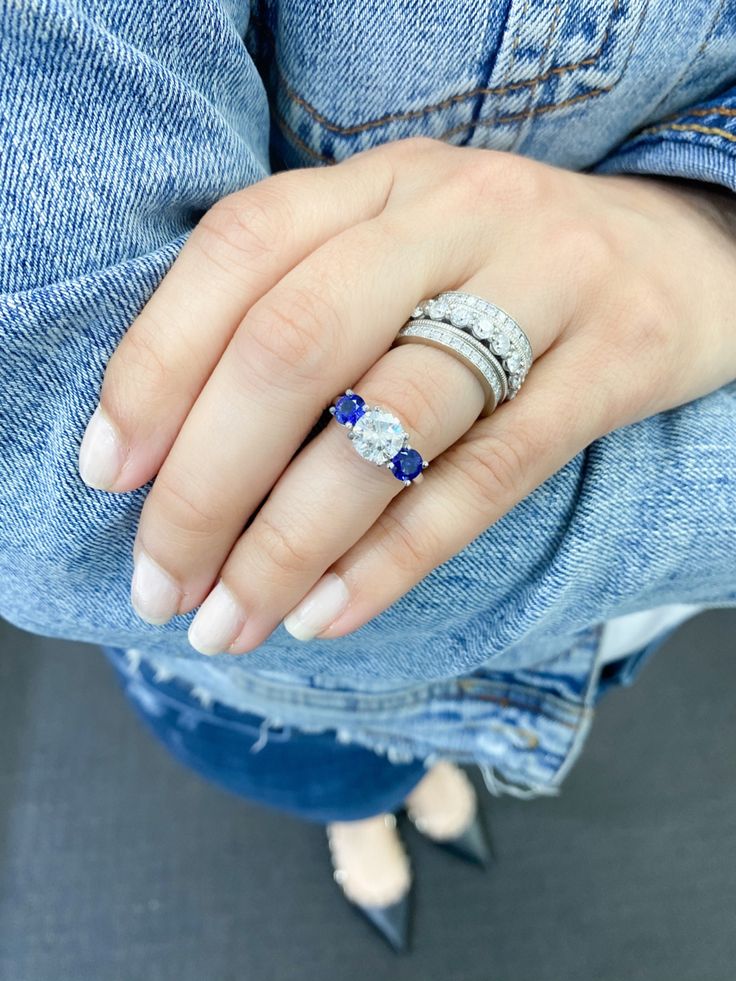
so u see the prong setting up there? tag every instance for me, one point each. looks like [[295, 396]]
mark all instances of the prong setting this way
[[378, 436]]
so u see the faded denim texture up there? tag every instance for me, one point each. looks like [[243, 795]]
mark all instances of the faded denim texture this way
[[121, 123]]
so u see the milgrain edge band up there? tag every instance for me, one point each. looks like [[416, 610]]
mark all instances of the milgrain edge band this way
[[475, 355]]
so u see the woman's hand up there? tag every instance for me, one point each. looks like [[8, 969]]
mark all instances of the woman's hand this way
[[292, 290]]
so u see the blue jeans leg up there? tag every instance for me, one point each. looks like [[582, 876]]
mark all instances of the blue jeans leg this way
[[308, 775]]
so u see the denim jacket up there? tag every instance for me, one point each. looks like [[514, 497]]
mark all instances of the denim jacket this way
[[121, 122]]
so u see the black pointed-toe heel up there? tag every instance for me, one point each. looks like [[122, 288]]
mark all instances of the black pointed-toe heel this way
[[393, 922], [472, 844]]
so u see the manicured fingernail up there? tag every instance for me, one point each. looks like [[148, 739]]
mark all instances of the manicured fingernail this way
[[218, 622], [101, 452], [319, 608], [154, 594]]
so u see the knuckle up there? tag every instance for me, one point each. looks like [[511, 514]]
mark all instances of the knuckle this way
[[137, 374], [475, 177], [585, 246], [419, 165], [290, 337], [279, 548], [493, 466], [244, 229], [181, 508], [512, 181], [408, 552], [483, 182], [413, 147]]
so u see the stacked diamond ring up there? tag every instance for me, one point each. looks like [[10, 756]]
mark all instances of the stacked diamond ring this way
[[378, 436], [503, 344]]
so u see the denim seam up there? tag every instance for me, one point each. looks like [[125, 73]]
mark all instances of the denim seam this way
[[548, 705], [497, 783], [484, 90], [674, 82], [498, 120], [706, 111], [298, 141], [668, 122], [136, 680], [551, 35], [689, 128], [526, 113], [585, 718], [552, 106], [453, 131], [515, 43]]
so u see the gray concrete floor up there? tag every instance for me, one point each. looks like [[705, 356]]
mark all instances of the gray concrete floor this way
[[119, 865]]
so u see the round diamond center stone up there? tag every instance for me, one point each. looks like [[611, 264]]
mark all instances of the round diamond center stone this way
[[377, 436]]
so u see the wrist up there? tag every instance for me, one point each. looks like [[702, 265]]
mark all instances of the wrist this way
[[692, 257]]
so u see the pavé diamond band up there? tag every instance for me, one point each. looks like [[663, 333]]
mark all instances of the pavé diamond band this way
[[378, 436], [482, 363], [496, 330]]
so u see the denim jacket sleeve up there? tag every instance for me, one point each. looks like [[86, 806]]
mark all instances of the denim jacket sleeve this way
[[698, 142], [119, 131]]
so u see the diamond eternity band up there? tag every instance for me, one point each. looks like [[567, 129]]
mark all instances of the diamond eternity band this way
[[496, 330]]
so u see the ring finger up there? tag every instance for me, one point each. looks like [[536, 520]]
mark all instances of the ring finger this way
[[329, 497]]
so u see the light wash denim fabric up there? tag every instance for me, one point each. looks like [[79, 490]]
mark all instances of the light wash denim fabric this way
[[121, 123]]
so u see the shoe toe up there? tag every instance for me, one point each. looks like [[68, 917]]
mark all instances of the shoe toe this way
[[391, 921], [471, 844]]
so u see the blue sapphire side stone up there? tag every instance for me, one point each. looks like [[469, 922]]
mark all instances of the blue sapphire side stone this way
[[407, 464], [349, 408]]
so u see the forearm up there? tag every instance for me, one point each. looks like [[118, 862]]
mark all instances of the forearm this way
[[114, 140]]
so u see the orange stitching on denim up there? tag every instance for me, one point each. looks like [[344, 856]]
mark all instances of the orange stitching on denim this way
[[550, 107], [713, 111], [451, 100], [542, 55], [515, 45], [684, 69], [690, 127], [542, 58], [538, 110], [548, 45], [514, 117], [681, 127], [295, 138]]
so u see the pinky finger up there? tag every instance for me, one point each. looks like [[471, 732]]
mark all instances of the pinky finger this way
[[497, 463]]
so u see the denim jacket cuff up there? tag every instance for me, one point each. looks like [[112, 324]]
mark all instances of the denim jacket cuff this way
[[697, 143]]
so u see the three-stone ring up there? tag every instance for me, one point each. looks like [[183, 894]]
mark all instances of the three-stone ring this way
[[378, 436]]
